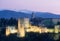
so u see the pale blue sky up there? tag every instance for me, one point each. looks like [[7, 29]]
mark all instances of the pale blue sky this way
[[52, 6]]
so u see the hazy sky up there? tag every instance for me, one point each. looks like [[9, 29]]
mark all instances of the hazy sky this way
[[52, 6]]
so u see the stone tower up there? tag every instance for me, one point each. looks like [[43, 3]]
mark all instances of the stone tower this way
[[21, 31]]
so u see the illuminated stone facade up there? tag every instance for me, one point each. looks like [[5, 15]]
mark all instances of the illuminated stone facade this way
[[27, 27]]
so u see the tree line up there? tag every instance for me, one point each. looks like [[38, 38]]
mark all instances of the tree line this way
[[8, 22]]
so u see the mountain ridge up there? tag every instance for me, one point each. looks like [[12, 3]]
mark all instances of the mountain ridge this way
[[9, 13]]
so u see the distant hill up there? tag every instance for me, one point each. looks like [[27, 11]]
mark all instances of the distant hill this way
[[46, 15], [8, 14]]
